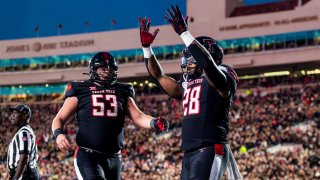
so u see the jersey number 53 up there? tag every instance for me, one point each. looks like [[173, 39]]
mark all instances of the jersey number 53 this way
[[99, 108]]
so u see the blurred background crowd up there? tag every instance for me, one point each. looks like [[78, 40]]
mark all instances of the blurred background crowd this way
[[275, 132]]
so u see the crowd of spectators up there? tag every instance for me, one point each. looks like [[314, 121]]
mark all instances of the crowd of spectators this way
[[263, 123]]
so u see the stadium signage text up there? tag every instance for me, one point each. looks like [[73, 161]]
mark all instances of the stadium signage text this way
[[37, 46], [269, 23]]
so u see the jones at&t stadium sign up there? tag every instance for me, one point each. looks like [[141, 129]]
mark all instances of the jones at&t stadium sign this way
[[37, 46]]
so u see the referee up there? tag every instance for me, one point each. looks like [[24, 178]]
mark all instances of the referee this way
[[22, 153]]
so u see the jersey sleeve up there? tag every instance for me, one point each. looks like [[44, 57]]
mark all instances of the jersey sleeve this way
[[70, 90], [131, 92], [231, 76], [24, 142]]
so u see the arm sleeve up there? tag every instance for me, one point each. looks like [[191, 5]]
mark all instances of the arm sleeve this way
[[232, 77], [205, 61], [25, 142]]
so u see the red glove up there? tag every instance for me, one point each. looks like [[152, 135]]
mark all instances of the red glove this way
[[145, 36]]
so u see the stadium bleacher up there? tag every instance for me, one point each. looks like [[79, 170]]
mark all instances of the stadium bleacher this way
[[284, 110]]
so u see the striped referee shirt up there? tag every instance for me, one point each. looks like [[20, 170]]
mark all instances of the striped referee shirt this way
[[23, 142]]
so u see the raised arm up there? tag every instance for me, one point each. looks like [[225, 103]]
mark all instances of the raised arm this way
[[213, 73], [169, 85]]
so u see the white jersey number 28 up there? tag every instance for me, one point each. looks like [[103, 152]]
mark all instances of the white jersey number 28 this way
[[191, 101]]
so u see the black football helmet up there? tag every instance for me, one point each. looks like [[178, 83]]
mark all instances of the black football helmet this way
[[188, 71], [213, 48], [105, 60]]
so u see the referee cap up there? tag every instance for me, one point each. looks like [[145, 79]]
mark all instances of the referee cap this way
[[24, 109]]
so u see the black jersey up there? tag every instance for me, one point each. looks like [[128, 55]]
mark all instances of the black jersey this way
[[100, 114], [206, 112]]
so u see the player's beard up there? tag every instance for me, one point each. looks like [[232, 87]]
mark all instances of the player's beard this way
[[106, 75]]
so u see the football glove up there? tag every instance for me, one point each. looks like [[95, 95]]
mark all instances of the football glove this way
[[160, 124], [145, 36], [176, 19]]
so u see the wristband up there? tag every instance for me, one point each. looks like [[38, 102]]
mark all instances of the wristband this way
[[147, 52], [57, 132], [187, 38], [153, 123]]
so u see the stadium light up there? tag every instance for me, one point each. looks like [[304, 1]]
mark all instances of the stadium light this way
[[316, 71], [277, 73]]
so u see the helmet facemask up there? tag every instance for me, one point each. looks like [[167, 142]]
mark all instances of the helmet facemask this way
[[189, 66], [103, 69]]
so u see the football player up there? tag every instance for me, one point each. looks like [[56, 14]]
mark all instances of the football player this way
[[100, 105], [206, 90]]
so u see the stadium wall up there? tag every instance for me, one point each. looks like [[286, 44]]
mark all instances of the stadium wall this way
[[209, 19], [249, 60]]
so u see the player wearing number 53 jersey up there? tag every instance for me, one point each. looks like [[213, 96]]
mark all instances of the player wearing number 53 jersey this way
[[100, 105], [206, 90]]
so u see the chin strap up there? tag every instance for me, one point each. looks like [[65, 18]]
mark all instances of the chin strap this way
[[185, 77]]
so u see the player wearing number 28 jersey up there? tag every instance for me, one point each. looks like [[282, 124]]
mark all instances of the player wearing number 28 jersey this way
[[100, 105], [206, 90]]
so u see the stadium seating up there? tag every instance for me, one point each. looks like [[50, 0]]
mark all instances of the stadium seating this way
[[274, 124]]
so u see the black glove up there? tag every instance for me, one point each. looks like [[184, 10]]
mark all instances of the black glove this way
[[176, 19], [160, 124], [145, 36]]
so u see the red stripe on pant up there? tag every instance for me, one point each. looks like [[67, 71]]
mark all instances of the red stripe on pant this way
[[219, 149]]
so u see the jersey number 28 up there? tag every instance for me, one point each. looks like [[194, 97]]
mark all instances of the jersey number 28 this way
[[99, 108], [191, 101]]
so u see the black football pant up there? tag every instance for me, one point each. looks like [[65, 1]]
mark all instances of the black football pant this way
[[29, 174], [205, 163], [91, 165]]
